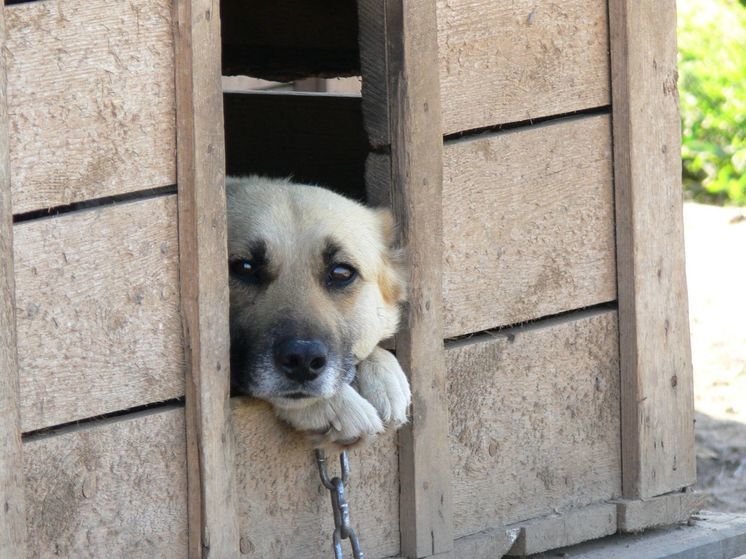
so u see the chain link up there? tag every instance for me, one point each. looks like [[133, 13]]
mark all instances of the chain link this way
[[336, 487]]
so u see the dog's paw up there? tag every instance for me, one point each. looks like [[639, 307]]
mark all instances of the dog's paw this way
[[340, 421], [381, 381]]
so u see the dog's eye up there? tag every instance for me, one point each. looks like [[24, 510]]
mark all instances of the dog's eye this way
[[341, 275], [245, 269]]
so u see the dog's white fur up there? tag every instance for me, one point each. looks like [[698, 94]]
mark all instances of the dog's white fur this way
[[294, 222]]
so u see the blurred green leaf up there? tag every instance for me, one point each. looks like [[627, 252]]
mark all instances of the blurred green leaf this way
[[712, 67]]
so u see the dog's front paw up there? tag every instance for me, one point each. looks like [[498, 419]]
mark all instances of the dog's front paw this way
[[340, 421], [381, 381]]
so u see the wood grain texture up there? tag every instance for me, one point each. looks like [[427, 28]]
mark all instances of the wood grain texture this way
[[569, 528], [657, 394], [514, 61], [114, 489], [12, 506], [91, 99], [98, 311], [534, 417], [203, 258], [416, 194], [373, 41], [285, 511], [487, 544], [529, 225], [664, 510]]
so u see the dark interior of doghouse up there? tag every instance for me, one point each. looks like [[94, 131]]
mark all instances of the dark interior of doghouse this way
[[315, 137]]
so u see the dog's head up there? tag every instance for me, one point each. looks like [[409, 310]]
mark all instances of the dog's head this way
[[315, 285]]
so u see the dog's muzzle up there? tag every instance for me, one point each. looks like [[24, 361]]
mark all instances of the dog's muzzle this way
[[300, 360]]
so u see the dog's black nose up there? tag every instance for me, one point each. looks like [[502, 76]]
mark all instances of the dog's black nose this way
[[301, 360]]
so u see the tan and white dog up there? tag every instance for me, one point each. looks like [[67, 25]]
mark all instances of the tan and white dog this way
[[315, 285]]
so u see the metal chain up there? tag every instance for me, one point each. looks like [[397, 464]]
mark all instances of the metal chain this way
[[336, 487]]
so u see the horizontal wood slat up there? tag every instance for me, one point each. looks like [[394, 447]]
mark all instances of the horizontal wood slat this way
[[97, 301], [534, 417], [514, 61], [284, 509], [528, 227], [90, 99], [117, 489]]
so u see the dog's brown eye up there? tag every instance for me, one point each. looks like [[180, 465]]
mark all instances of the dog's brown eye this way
[[341, 275], [245, 270]]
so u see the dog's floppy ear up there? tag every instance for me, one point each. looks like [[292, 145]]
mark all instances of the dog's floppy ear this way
[[392, 279]]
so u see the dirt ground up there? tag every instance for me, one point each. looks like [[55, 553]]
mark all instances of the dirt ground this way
[[716, 274]]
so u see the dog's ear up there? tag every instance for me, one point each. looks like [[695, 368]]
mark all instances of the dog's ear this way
[[392, 279]]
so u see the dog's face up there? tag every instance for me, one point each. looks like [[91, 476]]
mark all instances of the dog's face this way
[[314, 287]]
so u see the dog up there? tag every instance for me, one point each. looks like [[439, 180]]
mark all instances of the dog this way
[[315, 285]]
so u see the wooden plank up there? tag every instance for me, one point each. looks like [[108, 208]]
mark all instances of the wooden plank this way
[[514, 61], [664, 510], [487, 544], [12, 509], [289, 39], [529, 230], [710, 536], [284, 509], [534, 420], [374, 67], [91, 99], [657, 397], [568, 528], [413, 109], [114, 489], [98, 311], [203, 254], [316, 138]]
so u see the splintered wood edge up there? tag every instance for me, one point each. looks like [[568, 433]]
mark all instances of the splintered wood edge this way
[[213, 522], [12, 498]]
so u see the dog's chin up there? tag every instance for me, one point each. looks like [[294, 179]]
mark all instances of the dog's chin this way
[[295, 400]]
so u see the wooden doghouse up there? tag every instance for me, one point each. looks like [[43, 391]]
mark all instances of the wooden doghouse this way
[[531, 152]]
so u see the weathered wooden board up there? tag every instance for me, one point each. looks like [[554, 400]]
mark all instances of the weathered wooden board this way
[[114, 489], [285, 511], [315, 138], [513, 61], [487, 544], [528, 227], [203, 278], [374, 39], [569, 528], [12, 515], [664, 510], [657, 384], [410, 69], [534, 415], [91, 99], [97, 299]]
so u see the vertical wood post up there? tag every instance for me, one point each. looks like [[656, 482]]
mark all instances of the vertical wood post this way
[[12, 507], [401, 105], [657, 398], [213, 523]]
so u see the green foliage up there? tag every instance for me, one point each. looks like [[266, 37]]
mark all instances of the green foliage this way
[[712, 85]]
